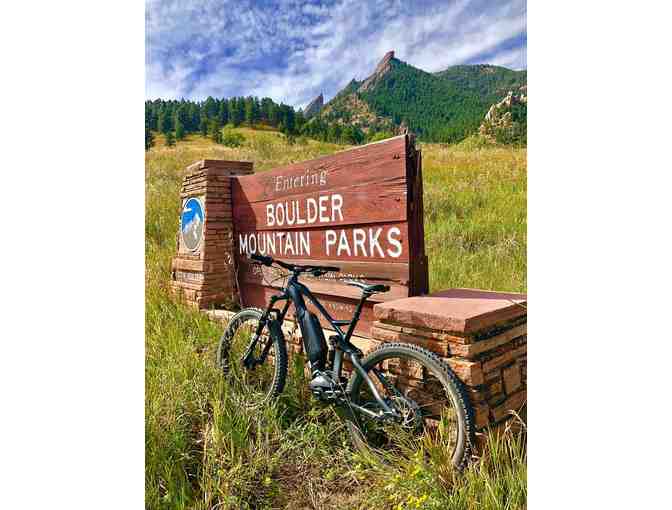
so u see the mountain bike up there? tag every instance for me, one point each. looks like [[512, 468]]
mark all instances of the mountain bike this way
[[396, 397]]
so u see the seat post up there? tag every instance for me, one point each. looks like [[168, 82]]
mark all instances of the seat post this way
[[355, 317]]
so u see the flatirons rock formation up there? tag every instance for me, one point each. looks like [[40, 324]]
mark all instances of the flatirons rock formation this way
[[381, 69], [500, 115], [444, 106], [314, 107]]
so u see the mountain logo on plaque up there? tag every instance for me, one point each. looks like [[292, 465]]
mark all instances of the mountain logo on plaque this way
[[191, 224]]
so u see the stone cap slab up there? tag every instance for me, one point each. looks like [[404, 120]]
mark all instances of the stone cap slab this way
[[465, 311], [221, 164]]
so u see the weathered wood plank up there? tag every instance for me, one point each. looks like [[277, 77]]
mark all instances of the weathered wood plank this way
[[366, 164], [386, 242], [379, 202], [378, 271], [255, 274]]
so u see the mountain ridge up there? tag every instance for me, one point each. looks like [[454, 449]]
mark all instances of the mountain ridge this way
[[444, 106]]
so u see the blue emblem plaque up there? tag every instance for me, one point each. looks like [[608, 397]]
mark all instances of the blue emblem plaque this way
[[191, 224]]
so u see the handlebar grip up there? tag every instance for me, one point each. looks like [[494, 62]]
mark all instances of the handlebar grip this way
[[267, 261]]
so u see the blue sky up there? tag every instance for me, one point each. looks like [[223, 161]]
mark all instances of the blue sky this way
[[291, 51]]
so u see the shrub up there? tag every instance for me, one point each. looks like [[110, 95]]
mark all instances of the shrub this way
[[380, 135], [170, 139], [474, 142], [232, 139]]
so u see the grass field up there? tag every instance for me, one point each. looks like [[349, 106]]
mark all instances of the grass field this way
[[204, 452]]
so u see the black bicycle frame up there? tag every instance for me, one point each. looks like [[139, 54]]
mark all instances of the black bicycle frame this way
[[294, 293]]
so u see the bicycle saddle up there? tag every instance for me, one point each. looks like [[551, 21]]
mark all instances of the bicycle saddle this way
[[369, 289]]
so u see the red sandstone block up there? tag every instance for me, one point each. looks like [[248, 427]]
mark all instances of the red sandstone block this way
[[481, 415], [512, 403], [469, 372], [218, 167], [496, 399], [424, 332], [456, 310], [511, 375], [505, 355], [477, 395], [440, 348], [494, 389]]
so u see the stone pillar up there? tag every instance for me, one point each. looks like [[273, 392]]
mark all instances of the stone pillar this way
[[480, 334], [203, 271]]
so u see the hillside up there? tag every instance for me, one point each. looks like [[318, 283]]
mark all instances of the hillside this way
[[446, 106]]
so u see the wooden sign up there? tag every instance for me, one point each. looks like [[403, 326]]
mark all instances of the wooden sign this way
[[360, 210]]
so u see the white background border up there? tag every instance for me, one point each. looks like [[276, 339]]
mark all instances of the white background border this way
[[72, 373]]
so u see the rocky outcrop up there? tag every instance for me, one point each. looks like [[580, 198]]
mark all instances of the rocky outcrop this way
[[383, 67], [314, 107], [500, 118], [350, 109]]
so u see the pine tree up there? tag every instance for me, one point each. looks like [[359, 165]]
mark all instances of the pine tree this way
[[179, 129], [165, 122], [211, 108], [232, 110], [240, 111], [299, 120], [170, 139], [149, 137], [252, 114], [223, 112], [203, 126], [272, 113], [215, 131], [249, 111], [181, 119]]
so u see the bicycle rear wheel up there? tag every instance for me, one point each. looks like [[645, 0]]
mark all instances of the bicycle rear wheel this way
[[254, 386], [433, 405]]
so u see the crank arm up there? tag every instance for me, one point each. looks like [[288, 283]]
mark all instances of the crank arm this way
[[365, 411], [384, 416]]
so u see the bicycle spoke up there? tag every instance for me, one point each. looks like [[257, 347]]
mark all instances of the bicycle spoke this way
[[418, 396], [251, 385]]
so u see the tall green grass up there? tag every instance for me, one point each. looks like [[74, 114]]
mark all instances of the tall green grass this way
[[475, 217], [205, 451]]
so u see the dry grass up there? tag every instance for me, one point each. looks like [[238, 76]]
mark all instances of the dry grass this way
[[475, 217]]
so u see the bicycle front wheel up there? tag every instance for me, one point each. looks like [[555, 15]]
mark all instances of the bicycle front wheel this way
[[265, 380], [421, 388]]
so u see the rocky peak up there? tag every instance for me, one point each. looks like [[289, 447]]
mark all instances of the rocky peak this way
[[314, 107], [499, 115], [383, 67]]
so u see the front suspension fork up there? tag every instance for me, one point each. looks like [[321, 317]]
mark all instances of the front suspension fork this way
[[274, 330]]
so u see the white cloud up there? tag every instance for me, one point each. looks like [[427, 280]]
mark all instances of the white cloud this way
[[293, 52]]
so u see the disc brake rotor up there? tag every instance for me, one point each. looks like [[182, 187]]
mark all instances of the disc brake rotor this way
[[409, 410]]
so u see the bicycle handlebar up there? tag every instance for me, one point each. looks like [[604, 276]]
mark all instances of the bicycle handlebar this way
[[268, 261]]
